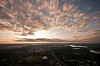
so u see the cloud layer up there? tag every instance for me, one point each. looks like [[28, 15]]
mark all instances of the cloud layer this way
[[27, 16]]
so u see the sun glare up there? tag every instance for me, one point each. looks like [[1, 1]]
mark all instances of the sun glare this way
[[41, 34], [37, 34]]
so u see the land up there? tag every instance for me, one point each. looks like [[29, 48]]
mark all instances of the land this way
[[66, 54]]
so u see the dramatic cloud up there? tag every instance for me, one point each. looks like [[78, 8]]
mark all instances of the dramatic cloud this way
[[40, 14], [28, 16]]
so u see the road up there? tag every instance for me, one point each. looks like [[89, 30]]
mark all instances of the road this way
[[57, 58]]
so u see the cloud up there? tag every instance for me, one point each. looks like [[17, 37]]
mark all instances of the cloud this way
[[42, 14], [95, 37], [96, 16], [88, 36], [22, 17], [40, 40], [27, 16]]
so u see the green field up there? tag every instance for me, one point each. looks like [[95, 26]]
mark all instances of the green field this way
[[31, 59]]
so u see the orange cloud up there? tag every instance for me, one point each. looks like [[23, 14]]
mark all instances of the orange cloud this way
[[27, 16]]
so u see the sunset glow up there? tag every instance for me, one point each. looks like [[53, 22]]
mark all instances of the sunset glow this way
[[41, 34], [70, 20]]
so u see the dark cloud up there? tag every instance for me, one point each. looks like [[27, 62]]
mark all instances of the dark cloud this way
[[40, 40]]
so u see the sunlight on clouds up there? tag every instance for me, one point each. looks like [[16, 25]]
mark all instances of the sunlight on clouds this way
[[41, 34], [36, 18], [37, 34], [7, 36]]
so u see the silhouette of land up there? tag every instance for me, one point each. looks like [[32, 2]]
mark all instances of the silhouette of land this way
[[68, 54]]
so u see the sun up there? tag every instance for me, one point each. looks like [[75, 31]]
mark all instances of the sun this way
[[41, 34], [37, 34]]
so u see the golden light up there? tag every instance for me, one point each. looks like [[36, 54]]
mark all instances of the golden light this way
[[41, 34], [37, 34], [28, 37]]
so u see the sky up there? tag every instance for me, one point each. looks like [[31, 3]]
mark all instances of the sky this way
[[69, 20]]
